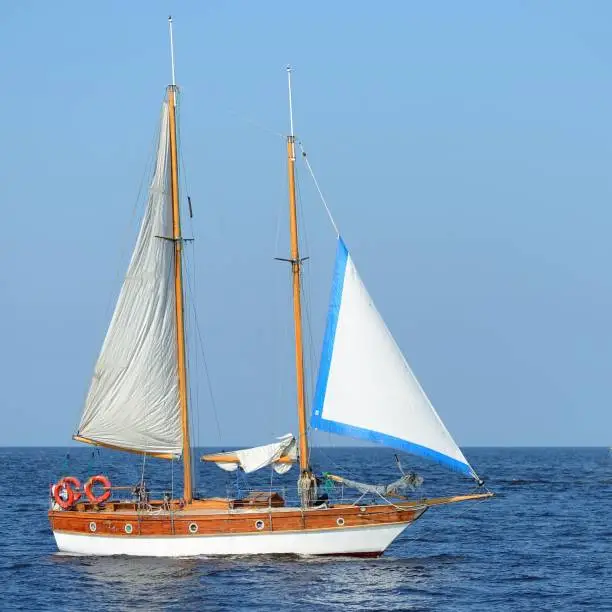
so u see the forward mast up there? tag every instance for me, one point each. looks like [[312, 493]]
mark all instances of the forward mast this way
[[178, 281]]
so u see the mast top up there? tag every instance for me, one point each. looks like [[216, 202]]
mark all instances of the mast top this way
[[289, 70], [171, 49]]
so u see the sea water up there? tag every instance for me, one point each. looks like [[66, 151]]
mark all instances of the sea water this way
[[543, 543]]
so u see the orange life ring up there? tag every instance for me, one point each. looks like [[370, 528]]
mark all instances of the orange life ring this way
[[71, 486], [104, 482]]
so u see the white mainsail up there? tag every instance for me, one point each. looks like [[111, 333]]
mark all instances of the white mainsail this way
[[365, 388], [252, 459], [133, 400]]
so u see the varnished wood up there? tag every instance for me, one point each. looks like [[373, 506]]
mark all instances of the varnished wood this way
[[440, 501], [259, 499], [178, 291], [174, 523], [223, 458], [122, 448], [297, 308], [218, 517], [211, 503]]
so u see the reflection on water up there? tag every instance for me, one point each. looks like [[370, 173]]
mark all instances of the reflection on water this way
[[256, 582], [131, 578]]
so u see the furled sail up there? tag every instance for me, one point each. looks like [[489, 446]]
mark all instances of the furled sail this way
[[133, 399], [365, 388], [281, 455]]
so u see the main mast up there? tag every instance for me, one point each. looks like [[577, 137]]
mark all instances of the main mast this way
[[178, 281], [305, 481]]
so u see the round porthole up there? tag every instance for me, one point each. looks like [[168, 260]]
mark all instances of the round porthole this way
[[92, 526], [362, 509], [259, 525], [193, 527], [340, 521], [128, 528]]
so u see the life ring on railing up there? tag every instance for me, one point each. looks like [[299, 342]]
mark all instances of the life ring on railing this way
[[98, 480], [66, 492]]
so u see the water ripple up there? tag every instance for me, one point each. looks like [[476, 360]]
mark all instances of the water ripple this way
[[542, 544]]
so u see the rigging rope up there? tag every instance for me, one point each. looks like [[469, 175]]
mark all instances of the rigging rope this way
[[279, 314], [314, 178], [144, 461], [194, 388], [333, 223], [306, 292], [206, 372], [189, 264], [254, 123]]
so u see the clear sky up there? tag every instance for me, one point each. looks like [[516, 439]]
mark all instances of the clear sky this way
[[465, 149]]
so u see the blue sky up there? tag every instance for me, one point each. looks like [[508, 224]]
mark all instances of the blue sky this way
[[465, 150]]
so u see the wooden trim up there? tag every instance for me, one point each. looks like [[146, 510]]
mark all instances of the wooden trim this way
[[227, 458], [297, 307], [178, 292], [227, 523], [123, 448], [254, 532], [440, 501]]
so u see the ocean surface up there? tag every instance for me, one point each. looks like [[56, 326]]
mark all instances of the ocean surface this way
[[543, 543]]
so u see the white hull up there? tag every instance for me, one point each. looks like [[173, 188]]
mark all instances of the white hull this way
[[345, 541]]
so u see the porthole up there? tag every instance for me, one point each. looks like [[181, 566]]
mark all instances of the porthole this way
[[340, 521], [362, 509], [193, 527], [259, 525], [128, 528], [92, 526]]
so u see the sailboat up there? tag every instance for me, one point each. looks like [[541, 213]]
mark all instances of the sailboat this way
[[138, 403]]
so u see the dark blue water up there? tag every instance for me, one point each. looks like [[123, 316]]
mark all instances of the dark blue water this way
[[544, 543]]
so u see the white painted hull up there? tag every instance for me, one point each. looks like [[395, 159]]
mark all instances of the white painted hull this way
[[370, 540]]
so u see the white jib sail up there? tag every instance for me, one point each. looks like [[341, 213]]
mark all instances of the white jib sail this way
[[252, 459], [133, 400], [365, 388]]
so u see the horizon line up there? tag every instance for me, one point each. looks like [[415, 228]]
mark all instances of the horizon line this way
[[324, 446]]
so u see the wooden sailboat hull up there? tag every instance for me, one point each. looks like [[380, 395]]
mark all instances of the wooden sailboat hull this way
[[346, 530]]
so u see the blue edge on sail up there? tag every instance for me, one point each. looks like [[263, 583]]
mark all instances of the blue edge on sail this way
[[343, 429]]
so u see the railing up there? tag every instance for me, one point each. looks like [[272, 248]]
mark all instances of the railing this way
[[239, 496], [338, 494]]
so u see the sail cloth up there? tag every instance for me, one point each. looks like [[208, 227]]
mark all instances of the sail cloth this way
[[252, 459], [133, 399], [365, 387]]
